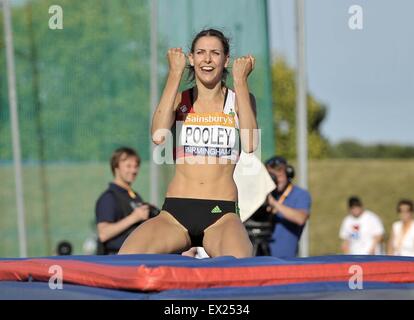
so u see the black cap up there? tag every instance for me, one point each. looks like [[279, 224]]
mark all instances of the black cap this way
[[276, 161]]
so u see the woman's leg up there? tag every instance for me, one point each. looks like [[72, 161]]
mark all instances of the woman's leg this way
[[162, 234], [228, 237]]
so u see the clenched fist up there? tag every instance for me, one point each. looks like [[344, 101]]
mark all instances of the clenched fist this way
[[242, 67], [176, 60]]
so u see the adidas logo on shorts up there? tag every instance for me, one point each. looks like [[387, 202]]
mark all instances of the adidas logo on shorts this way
[[216, 209]]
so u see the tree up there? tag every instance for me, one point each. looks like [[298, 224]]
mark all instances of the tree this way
[[284, 115], [355, 149]]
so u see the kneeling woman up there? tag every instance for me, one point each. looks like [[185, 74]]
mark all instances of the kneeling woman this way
[[200, 208]]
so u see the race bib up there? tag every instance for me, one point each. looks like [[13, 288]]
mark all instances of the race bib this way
[[209, 134]]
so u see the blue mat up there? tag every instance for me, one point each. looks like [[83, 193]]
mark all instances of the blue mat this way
[[34, 289]]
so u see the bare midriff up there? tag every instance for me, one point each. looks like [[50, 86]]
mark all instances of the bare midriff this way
[[204, 180]]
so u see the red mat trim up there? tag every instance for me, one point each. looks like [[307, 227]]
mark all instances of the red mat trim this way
[[160, 278]]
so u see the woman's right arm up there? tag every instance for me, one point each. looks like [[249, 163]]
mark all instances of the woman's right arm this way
[[164, 115]]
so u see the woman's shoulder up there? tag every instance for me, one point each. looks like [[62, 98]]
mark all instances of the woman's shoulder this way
[[396, 225], [179, 99], [183, 100], [230, 89]]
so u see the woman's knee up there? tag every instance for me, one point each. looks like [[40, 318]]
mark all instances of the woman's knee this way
[[246, 251], [237, 241], [228, 239], [134, 245]]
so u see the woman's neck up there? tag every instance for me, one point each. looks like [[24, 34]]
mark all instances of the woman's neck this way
[[208, 93], [407, 223]]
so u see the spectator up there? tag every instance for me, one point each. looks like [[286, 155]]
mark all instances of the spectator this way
[[361, 230], [120, 209], [401, 241], [290, 209]]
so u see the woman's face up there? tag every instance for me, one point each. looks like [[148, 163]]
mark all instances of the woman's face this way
[[405, 213], [209, 60]]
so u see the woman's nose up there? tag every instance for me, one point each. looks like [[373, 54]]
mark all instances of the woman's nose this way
[[207, 58]]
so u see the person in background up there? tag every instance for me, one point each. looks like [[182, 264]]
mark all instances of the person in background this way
[[361, 230], [401, 242], [120, 209], [290, 208]]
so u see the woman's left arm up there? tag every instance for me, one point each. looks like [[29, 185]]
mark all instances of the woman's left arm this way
[[245, 103]]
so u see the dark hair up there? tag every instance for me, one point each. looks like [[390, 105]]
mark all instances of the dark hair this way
[[117, 155], [405, 202], [210, 33], [354, 202]]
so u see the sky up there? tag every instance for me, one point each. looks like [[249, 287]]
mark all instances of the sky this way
[[364, 77]]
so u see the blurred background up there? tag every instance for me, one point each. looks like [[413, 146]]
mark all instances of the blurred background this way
[[85, 89]]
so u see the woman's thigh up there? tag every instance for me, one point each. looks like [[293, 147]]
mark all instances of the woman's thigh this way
[[228, 236], [162, 234]]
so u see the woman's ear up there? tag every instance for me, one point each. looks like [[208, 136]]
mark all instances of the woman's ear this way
[[191, 59], [226, 64]]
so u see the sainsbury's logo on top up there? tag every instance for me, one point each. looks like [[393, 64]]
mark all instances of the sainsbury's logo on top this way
[[213, 118]]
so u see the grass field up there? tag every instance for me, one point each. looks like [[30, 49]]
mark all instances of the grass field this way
[[73, 189], [379, 183]]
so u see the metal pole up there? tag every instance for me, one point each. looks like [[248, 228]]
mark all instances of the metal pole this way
[[301, 115], [268, 136], [154, 170], [15, 129], [39, 128], [190, 18]]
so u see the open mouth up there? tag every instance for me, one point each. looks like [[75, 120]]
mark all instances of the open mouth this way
[[207, 69]]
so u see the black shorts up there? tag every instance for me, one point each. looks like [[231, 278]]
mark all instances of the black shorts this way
[[196, 215]]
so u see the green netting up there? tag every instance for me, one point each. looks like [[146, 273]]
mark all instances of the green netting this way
[[85, 90]]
